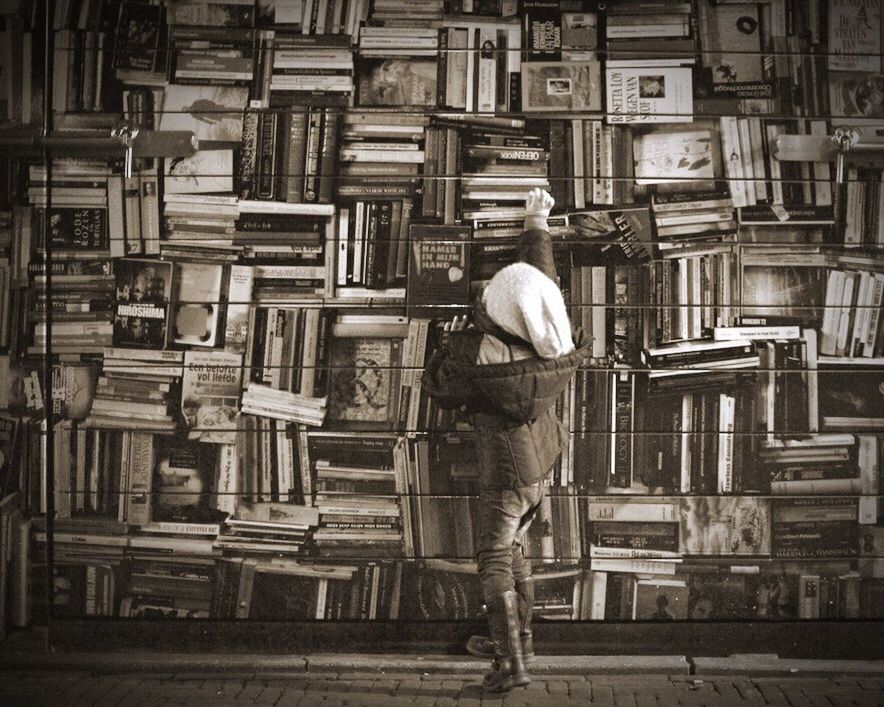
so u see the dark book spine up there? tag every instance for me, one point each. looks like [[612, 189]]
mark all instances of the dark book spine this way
[[328, 156], [383, 245], [266, 167], [283, 155], [442, 68], [312, 162], [294, 167], [369, 266], [248, 156], [569, 164], [542, 26], [557, 157], [621, 463]]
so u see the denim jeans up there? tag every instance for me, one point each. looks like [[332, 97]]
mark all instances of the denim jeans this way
[[503, 519]]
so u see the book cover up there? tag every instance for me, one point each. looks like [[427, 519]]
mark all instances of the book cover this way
[[649, 94], [138, 37], [197, 303], [725, 525], [731, 38], [401, 81], [683, 156], [855, 94], [362, 387], [783, 294], [851, 397], [556, 86], [184, 481], [210, 389], [143, 295], [855, 35], [542, 28], [660, 600], [205, 171], [438, 266], [212, 113], [614, 235], [73, 228]]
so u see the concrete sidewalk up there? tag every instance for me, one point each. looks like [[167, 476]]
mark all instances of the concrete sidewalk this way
[[340, 679]]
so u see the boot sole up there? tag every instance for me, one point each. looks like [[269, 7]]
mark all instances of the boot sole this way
[[508, 684]]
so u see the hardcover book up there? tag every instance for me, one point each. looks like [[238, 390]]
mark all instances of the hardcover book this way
[[363, 387], [184, 481], [139, 37], [438, 267], [143, 295], [558, 86]]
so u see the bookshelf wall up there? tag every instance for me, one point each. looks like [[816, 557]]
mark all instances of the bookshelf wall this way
[[214, 407]]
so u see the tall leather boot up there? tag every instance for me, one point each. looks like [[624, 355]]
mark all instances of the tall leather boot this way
[[483, 647], [508, 669], [525, 590]]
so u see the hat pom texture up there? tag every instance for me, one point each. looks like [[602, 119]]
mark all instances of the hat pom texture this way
[[525, 302]]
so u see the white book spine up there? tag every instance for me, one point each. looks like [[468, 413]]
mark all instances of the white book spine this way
[[726, 420], [874, 316], [844, 315], [831, 313]]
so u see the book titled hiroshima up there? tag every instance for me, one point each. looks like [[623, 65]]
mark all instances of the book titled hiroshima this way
[[141, 312]]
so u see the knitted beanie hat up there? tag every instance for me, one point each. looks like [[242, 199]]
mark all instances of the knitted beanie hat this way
[[525, 302], [535, 248]]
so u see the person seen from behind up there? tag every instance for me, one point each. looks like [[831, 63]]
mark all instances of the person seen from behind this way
[[508, 367]]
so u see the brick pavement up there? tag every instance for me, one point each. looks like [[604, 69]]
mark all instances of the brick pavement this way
[[386, 689]]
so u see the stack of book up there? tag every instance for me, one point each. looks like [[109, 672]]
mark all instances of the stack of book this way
[[135, 389], [628, 535], [421, 13], [634, 30], [356, 485], [164, 584], [306, 69], [499, 170], [697, 357], [815, 527], [381, 155], [283, 405], [198, 220], [81, 315], [821, 464], [268, 528]]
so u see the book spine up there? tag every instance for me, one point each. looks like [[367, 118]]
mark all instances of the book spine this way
[[266, 157], [139, 493]]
